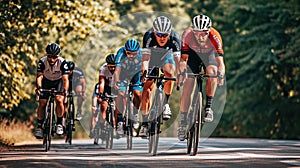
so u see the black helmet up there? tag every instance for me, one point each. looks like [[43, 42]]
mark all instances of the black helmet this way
[[53, 49], [71, 65], [110, 59]]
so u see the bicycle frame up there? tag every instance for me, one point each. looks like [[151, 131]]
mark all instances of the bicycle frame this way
[[195, 115], [49, 119], [155, 115]]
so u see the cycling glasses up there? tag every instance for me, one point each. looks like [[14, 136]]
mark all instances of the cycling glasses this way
[[52, 56], [131, 53], [201, 33], [162, 35]]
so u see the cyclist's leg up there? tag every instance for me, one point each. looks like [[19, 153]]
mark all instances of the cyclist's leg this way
[[94, 115], [60, 108], [78, 90], [120, 107], [146, 94], [169, 70], [211, 84]]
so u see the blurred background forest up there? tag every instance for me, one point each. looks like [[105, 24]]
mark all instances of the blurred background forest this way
[[261, 43]]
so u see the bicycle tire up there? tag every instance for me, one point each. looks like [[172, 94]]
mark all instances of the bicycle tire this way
[[110, 129], [159, 120], [70, 118], [97, 133], [129, 124], [197, 125]]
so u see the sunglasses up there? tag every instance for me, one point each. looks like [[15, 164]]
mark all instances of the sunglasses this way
[[52, 56], [131, 53], [162, 35], [111, 66], [201, 33]]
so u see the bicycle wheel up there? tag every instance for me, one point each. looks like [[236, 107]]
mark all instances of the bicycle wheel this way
[[129, 124], [70, 120], [197, 126], [49, 126], [97, 133], [69, 130], [158, 122], [109, 130]]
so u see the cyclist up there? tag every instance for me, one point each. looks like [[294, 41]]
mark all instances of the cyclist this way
[[200, 43], [104, 85], [79, 86], [160, 36], [128, 67], [52, 72]]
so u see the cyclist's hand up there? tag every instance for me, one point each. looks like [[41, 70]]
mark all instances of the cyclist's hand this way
[[117, 85], [83, 95], [180, 79], [37, 91], [220, 79]]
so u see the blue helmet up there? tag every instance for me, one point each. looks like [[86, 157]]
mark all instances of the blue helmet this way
[[132, 45]]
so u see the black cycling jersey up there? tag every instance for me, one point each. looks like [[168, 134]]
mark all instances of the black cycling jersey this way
[[173, 43], [54, 72]]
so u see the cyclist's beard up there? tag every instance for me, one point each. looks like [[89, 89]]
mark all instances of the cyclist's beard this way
[[112, 71]]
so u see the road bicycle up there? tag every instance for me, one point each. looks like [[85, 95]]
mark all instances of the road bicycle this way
[[49, 119], [70, 113], [128, 117], [155, 116], [196, 113], [106, 130]]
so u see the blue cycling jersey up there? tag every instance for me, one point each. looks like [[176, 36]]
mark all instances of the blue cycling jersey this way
[[129, 68]]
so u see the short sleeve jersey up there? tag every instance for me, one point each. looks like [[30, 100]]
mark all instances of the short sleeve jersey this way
[[54, 72], [189, 42], [77, 74], [107, 75], [128, 67], [173, 43]]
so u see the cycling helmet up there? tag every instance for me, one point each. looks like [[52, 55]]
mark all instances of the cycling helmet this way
[[110, 59], [53, 49], [132, 45], [162, 24], [201, 23], [71, 65]]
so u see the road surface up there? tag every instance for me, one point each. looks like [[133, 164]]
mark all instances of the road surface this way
[[213, 152]]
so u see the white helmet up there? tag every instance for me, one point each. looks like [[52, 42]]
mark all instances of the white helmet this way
[[201, 23], [162, 24]]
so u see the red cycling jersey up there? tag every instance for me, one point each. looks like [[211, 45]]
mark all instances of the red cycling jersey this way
[[189, 42]]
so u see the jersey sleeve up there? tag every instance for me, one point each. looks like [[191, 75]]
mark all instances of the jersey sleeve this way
[[64, 68], [184, 45], [176, 41], [102, 70], [81, 75], [216, 40], [146, 38], [41, 66], [119, 56]]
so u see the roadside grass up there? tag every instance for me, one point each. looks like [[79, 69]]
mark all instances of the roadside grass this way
[[12, 132], [17, 132]]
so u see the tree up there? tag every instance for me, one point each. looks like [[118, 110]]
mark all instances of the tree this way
[[28, 26], [263, 68]]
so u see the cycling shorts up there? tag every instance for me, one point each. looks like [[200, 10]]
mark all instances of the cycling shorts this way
[[136, 79], [48, 84], [195, 60], [160, 57]]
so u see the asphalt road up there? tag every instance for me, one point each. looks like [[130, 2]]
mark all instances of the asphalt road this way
[[213, 152]]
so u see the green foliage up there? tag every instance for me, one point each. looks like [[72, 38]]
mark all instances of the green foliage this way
[[26, 28], [262, 70]]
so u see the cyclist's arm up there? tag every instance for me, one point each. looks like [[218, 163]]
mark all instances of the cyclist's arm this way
[[65, 79], [39, 78], [146, 53], [101, 85], [221, 65], [83, 83]]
